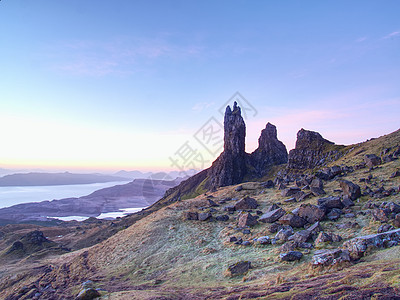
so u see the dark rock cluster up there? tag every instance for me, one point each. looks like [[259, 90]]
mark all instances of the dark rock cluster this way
[[270, 151], [234, 163], [230, 167], [311, 151]]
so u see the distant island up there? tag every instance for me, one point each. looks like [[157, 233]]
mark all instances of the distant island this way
[[66, 178]]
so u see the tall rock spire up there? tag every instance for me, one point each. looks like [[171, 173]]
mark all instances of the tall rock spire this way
[[234, 130], [230, 167]]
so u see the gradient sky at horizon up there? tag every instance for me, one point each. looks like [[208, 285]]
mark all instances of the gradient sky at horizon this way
[[110, 85]]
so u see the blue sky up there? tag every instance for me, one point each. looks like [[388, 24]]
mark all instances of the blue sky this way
[[124, 84]]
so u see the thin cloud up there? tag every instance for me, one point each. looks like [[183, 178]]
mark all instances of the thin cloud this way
[[361, 39], [122, 56], [200, 106], [392, 35]]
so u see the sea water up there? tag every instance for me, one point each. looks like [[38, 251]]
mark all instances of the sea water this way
[[12, 195]]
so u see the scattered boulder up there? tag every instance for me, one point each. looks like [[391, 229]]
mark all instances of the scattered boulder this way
[[311, 213], [305, 196], [211, 203], [290, 200], [284, 234], [291, 256], [359, 245], [247, 219], [191, 215], [347, 202], [317, 183], [300, 236], [232, 239], [393, 207], [395, 174], [204, 216], [292, 220], [330, 202], [246, 203], [229, 208], [385, 228], [381, 215], [334, 214], [239, 268], [325, 237], [88, 294], [314, 229], [271, 207], [275, 227], [269, 184], [288, 246], [330, 257], [222, 218], [350, 189], [371, 160], [298, 196], [239, 188], [272, 216], [316, 191], [264, 240], [396, 221], [290, 191]]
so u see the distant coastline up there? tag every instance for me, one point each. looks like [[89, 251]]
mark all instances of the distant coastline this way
[[13, 195], [48, 179]]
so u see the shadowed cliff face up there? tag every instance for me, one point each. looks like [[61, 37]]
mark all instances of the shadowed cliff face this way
[[230, 167], [270, 151], [234, 165], [311, 150], [234, 131]]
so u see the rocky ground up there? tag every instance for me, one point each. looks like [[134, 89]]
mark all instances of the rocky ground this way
[[329, 233]]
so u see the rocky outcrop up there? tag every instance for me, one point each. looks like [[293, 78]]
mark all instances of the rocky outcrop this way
[[270, 151], [234, 164], [230, 167], [33, 242], [311, 151], [329, 258], [359, 245], [239, 268]]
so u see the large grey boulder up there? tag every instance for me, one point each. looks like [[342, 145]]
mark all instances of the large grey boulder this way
[[291, 256], [272, 216], [359, 245], [350, 189], [311, 213]]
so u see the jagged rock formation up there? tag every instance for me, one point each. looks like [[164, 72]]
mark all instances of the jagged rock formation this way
[[270, 151], [234, 165], [311, 151], [230, 167]]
